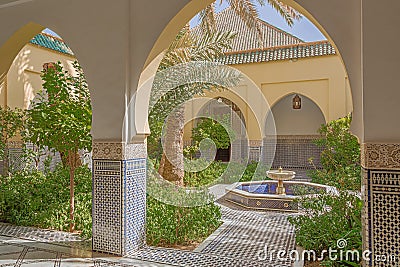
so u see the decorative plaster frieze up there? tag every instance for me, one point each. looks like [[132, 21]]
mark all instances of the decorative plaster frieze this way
[[380, 156], [119, 150]]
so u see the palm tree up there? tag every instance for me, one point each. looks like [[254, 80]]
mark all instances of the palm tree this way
[[247, 11], [185, 48]]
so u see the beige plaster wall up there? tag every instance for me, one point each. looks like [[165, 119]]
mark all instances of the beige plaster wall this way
[[23, 77], [322, 79]]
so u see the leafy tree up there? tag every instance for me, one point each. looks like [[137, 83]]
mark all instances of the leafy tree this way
[[11, 124], [61, 118], [218, 130]]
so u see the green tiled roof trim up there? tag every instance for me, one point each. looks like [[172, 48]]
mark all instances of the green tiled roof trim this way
[[304, 50], [53, 43]]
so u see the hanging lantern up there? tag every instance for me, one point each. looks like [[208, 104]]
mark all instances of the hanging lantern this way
[[296, 102]]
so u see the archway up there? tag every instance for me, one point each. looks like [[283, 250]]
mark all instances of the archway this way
[[303, 120], [46, 59], [225, 109], [116, 74], [297, 119]]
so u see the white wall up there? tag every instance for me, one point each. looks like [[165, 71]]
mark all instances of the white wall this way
[[304, 121]]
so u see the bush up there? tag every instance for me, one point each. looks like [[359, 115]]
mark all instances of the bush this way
[[33, 198], [206, 176], [330, 217], [340, 158], [216, 170], [170, 225]]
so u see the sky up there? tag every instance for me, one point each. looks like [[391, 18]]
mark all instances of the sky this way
[[303, 28], [48, 31]]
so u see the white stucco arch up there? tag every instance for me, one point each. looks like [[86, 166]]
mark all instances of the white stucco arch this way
[[305, 121], [309, 95]]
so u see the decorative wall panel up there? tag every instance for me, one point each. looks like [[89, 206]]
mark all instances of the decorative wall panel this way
[[381, 195], [119, 197]]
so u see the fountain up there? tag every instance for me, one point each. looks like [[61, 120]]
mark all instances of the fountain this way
[[280, 176], [275, 194]]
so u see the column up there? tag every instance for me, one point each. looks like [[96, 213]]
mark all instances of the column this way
[[119, 197], [381, 194]]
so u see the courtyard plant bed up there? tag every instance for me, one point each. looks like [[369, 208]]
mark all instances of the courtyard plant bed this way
[[333, 221], [41, 199]]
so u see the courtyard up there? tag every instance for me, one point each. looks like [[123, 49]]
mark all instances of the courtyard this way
[[227, 133]]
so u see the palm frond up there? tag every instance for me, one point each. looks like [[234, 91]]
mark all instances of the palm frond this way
[[211, 46], [288, 13], [180, 49], [247, 11], [207, 19]]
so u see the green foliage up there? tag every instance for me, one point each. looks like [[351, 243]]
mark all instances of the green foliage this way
[[217, 129], [330, 217], [217, 172], [341, 156], [11, 124], [170, 225], [61, 119], [205, 177], [185, 48], [255, 171], [42, 200], [327, 219]]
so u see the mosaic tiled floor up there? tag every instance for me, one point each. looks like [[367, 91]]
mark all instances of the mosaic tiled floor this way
[[238, 242]]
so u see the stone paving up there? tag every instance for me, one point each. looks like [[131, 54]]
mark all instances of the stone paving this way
[[240, 241]]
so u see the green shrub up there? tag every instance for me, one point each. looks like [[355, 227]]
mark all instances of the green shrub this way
[[237, 172], [340, 157], [205, 177], [32, 198], [330, 217], [170, 225]]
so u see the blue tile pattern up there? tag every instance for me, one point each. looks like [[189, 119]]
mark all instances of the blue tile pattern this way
[[119, 205], [134, 207], [384, 215], [51, 42], [107, 208]]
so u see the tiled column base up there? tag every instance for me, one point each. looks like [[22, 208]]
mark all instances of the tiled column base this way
[[381, 194], [119, 197]]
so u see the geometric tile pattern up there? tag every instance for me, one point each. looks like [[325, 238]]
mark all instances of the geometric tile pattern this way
[[25, 253], [295, 51], [107, 206], [134, 204], [119, 197], [37, 234], [262, 203], [384, 214], [195, 259], [248, 232], [294, 151], [244, 235]]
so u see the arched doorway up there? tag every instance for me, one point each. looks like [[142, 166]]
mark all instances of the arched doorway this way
[[297, 119], [304, 119], [221, 107]]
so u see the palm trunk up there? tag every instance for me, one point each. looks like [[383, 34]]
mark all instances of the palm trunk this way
[[171, 165]]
